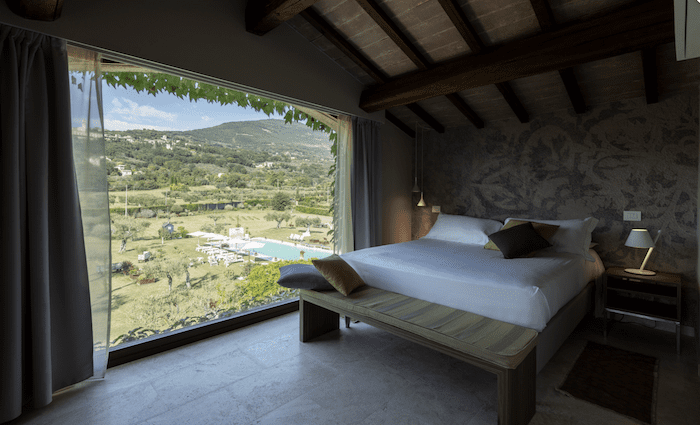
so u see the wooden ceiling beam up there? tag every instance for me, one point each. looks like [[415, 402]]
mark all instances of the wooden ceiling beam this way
[[395, 33], [513, 101], [465, 109], [397, 122], [397, 36], [546, 19], [631, 28], [339, 41], [544, 14], [262, 17], [573, 89], [425, 116], [651, 83], [460, 21], [356, 56]]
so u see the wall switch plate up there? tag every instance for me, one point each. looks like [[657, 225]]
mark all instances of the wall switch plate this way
[[436, 208], [632, 216]]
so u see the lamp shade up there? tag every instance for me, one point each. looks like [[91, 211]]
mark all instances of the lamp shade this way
[[639, 238]]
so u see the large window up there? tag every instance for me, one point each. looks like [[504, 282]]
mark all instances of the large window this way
[[207, 198]]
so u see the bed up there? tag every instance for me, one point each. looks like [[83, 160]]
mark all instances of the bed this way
[[550, 290]]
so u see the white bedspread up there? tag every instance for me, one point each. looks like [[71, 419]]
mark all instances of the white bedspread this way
[[522, 291]]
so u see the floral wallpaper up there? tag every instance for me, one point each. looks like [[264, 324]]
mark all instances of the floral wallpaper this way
[[622, 156]]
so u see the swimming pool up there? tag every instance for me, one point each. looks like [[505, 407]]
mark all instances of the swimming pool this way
[[287, 252]]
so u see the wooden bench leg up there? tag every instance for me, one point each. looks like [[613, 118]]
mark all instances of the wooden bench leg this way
[[315, 321], [516, 392]]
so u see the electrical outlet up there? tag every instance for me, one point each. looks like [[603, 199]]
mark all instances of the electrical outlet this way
[[632, 216], [436, 208]]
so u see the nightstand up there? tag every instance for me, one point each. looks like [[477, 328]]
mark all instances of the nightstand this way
[[655, 297]]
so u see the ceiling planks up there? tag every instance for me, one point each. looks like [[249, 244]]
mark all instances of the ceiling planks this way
[[546, 19], [262, 17], [625, 30], [350, 51], [460, 21], [392, 30]]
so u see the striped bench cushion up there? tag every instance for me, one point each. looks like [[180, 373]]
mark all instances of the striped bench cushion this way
[[496, 342]]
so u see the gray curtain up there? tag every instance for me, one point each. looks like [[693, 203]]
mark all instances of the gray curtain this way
[[366, 183], [45, 317]]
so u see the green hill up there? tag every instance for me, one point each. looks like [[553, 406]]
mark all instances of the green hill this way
[[273, 136]]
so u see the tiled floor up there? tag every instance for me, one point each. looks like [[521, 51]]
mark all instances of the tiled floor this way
[[263, 375]]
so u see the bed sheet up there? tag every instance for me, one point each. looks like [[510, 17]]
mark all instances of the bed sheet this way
[[523, 291]]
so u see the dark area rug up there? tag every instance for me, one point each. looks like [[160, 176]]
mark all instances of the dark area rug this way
[[615, 379]]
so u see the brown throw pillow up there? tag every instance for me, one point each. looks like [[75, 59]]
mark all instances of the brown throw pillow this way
[[339, 274], [544, 230], [519, 241]]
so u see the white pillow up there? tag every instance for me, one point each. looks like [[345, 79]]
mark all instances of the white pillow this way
[[460, 228], [572, 236]]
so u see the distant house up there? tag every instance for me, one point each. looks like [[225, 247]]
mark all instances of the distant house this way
[[267, 164], [169, 227], [126, 172]]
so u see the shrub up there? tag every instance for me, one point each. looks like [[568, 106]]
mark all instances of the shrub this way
[[312, 210], [177, 209], [145, 213], [228, 208]]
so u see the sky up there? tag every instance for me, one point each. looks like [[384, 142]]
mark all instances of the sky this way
[[126, 109]]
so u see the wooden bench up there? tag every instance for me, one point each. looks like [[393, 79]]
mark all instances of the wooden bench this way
[[507, 350]]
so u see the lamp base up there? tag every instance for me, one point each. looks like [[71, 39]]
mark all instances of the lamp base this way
[[642, 272]]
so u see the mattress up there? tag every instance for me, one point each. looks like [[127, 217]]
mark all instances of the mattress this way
[[522, 291]]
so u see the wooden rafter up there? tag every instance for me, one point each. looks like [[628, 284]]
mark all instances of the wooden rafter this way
[[465, 109], [651, 84], [544, 14], [393, 31], [262, 17], [513, 101], [397, 122], [546, 19], [460, 21], [356, 56], [425, 116], [339, 41], [629, 29]]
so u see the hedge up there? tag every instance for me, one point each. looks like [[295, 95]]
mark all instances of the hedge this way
[[312, 210], [263, 202]]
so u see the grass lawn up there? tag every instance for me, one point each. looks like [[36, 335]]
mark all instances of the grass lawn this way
[[210, 284]]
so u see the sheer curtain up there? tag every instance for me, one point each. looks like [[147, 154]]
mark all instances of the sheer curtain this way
[[89, 157], [366, 183], [342, 217], [46, 326]]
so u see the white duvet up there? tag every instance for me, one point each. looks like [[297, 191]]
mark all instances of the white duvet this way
[[522, 291]]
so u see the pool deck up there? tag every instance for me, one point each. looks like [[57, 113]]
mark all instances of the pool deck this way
[[293, 244]]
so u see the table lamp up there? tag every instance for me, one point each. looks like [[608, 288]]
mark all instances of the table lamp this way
[[640, 238]]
